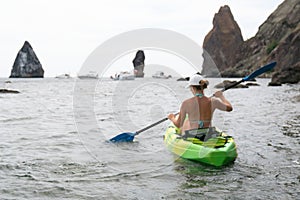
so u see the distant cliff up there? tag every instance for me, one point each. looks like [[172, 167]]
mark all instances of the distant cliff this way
[[276, 40], [26, 64]]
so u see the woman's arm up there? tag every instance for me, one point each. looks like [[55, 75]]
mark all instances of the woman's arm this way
[[178, 121], [175, 120], [224, 104]]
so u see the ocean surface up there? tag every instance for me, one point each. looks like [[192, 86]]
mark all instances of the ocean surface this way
[[54, 142]]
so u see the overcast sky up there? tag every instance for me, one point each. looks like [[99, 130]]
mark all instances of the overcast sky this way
[[64, 32]]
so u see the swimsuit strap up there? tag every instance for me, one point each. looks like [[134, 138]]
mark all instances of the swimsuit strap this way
[[200, 95], [201, 124]]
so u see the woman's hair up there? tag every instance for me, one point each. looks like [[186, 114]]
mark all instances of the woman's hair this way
[[202, 86]]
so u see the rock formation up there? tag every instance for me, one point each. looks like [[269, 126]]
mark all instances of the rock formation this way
[[222, 42], [227, 83], [276, 40], [288, 54], [9, 91], [26, 64], [138, 63]]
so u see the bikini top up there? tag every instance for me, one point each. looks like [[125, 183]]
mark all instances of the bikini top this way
[[200, 95]]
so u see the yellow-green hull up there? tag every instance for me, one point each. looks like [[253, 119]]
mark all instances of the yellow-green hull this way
[[199, 152]]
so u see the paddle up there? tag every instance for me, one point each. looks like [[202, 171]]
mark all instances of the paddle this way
[[254, 74], [128, 137]]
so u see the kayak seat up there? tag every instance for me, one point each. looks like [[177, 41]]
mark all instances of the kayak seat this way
[[208, 137], [202, 134]]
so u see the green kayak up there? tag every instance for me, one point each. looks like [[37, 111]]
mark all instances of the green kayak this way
[[217, 150]]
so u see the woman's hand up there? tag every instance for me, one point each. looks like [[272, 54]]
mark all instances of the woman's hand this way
[[175, 118], [218, 94], [225, 102], [171, 116]]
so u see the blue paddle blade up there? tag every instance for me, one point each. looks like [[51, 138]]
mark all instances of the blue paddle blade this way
[[123, 137], [260, 71]]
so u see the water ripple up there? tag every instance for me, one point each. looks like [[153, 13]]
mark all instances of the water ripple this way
[[43, 156]]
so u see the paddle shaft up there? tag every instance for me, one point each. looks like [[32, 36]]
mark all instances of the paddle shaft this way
[[254, 74], [150, 126], [233, 85]]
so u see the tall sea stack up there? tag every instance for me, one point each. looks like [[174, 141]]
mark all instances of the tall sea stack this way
[[26, 64], [222, 42], [138, 63]]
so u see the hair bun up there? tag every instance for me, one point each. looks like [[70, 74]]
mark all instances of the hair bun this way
[[207, 82], [203, 84]]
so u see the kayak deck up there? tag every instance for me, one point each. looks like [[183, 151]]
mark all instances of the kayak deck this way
[[199, 152]]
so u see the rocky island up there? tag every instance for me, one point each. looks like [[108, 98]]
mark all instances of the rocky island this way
[[26, 64], [138, 63], [278, 39]]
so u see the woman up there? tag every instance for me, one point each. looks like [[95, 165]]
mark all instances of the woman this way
[[197, 112]]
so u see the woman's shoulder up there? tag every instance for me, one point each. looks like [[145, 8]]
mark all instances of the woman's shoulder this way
[[187, 102]]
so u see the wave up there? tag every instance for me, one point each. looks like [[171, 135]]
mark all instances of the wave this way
[[16, 119]]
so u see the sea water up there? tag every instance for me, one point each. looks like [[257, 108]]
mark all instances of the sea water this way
[[54, 142]]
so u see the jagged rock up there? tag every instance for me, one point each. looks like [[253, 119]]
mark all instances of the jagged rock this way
[[183, 79], [274, 84], [288, 52], [276, 40], [138, 63], [26, 64], [222, 42], [227, 83], [9, 91], [252, 84]]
